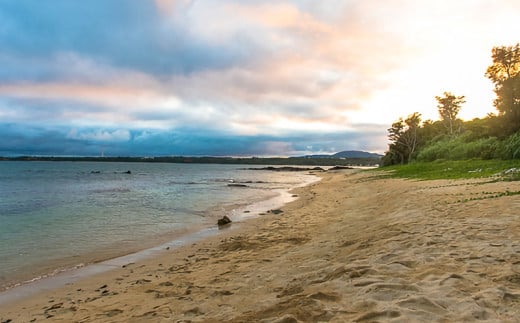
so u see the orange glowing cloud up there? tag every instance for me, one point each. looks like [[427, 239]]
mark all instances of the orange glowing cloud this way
[[167, 7], [99, 94]]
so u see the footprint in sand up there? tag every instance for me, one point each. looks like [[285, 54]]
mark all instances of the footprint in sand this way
[[113, 312], [423, 304], [196, 311], [387, 292], [453, 278], [331, 296]]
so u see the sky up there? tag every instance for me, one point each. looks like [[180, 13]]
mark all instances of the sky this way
[[237, 78]]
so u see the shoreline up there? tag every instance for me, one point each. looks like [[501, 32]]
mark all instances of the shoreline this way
[[62, 276], [352, 247]]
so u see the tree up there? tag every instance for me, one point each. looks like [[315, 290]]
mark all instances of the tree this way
[[431, 131], [404, 139], [506, 65], [449, 106], [508, 103], [505, 75]]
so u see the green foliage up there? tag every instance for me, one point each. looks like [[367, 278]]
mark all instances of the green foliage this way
[[404, 135], [484, 128], [492, 137], [511, 147], [431, 131], [448, 169], [460, 148], [506, 63], [479, 139], [505, 75], [449, 106], [508, 103]]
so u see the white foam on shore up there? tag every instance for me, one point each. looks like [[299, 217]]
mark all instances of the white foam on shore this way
[[68, 276]]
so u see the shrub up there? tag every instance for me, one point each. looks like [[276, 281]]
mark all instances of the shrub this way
[[460, 148], [511, 147], [485, 148]]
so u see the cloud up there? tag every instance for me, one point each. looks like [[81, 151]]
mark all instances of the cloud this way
[[239, 77], [115, 33], [171, 8], [35, 140], [100, 135]]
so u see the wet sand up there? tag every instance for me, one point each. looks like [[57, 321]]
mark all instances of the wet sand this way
[[353, 247]]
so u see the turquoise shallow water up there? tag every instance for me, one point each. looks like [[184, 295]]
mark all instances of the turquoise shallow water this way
[[56, 215]]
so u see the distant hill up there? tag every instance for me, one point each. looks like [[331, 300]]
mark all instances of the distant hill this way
[[348, 154]]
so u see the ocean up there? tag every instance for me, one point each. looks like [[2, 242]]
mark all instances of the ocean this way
[[55, 216]]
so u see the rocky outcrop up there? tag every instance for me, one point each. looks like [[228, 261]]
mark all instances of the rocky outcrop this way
[[224, 221], [340, 168], [237, 185], [288, 169]]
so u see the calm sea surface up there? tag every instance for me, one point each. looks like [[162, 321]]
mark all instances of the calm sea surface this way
[[56, 215]]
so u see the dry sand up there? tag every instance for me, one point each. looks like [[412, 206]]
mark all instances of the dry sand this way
[[352, 248]]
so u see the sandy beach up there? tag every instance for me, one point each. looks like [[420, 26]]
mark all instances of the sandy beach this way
[[354, 247]]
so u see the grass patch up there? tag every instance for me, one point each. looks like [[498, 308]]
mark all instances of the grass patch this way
[[454, 169]]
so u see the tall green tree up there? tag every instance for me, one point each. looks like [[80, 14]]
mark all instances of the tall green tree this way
[[404, 139], [449, 106], [505, 75]]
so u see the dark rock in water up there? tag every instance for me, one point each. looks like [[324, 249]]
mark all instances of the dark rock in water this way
[[95, 172], [128, 172], [224, 221], [237, 185], [288, 169], [340, 167]]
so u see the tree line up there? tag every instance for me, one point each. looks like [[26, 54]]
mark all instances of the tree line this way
[[495, 136], [297, 161]]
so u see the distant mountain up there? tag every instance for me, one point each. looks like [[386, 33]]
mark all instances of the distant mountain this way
[[348, 154]]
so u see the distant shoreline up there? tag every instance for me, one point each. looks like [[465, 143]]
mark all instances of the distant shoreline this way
[[308, 161]]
